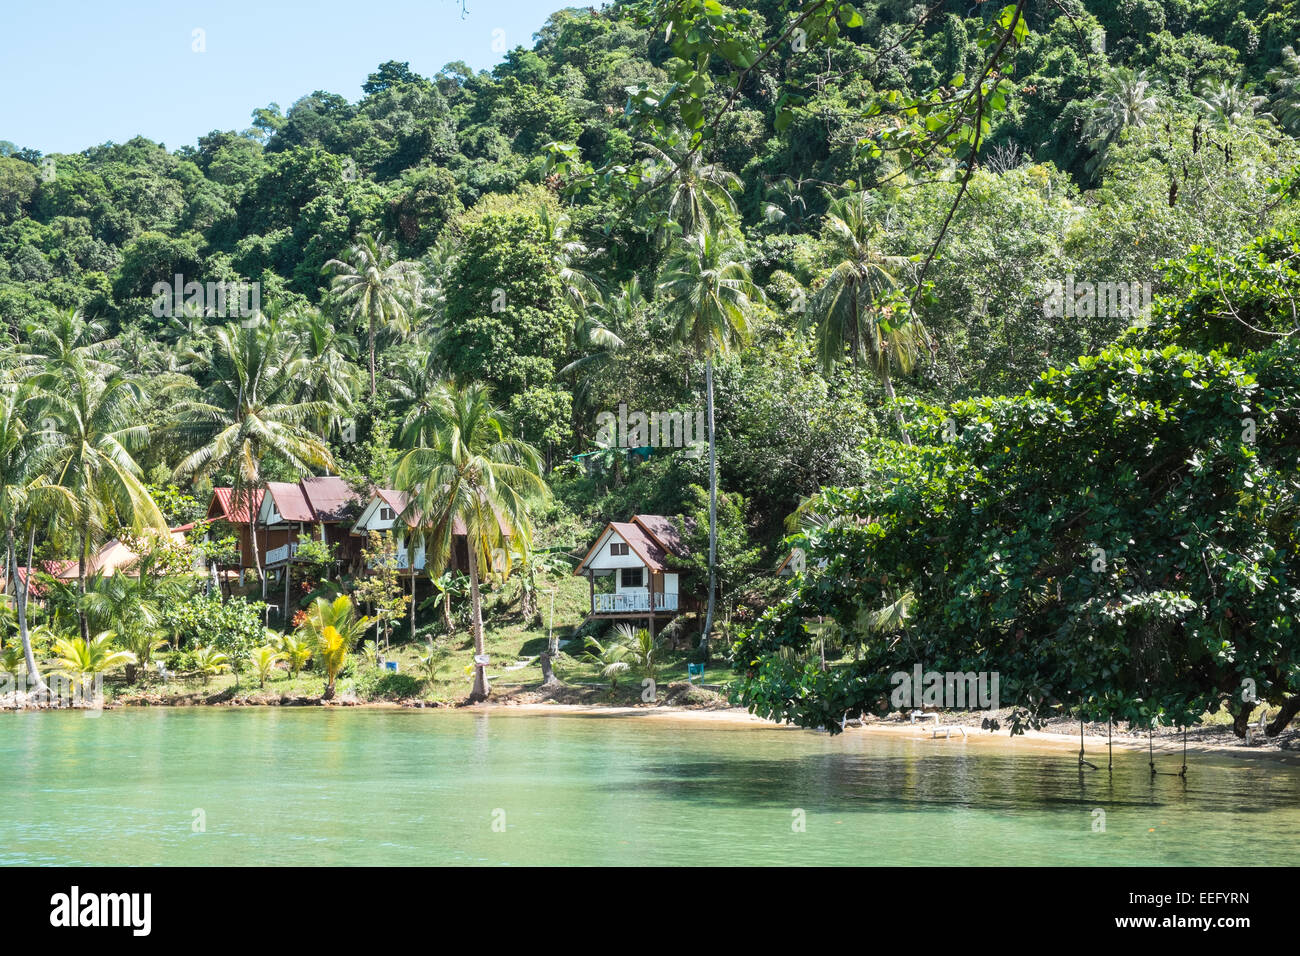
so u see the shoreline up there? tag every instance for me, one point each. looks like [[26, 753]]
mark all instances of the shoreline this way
[[1284, 749]]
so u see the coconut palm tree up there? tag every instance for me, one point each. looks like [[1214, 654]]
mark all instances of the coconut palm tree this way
[[82, 659], [847, 311], [67, 339], [465, 469], [264, 659], [1227, 104], [708, 291], [24, 492], [688, 191], [333, 628], [1127, 98], [133, 606], [95, 426], [1285, 78], [598, 334], [250, 410], [376, 288]]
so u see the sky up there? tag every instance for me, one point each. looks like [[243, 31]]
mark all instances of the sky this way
[[78, 73]]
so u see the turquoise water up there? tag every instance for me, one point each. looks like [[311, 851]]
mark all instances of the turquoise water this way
[[277, 786]]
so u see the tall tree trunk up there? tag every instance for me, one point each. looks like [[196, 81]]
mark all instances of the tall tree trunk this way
[[81, 583], [889, 393], [34, 680], [371, 344], [412, 597], [713, 510], [480, 690]]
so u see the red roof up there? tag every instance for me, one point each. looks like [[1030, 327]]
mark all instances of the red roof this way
[[664, 531], [222, 498], [329, 498], [290, 501]]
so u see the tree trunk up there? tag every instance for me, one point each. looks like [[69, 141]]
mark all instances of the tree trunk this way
[[481, 688], [81, 584], [446, 613], [713, 510], [889, 393], [548, 674], [1290, 707], [413, 597], [1242, 719], [34, 679], [371, 344]]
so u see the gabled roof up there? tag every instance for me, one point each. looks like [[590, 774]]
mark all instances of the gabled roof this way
[[398, 500], [329, 498], [113, 557], [289, 501], [664, 531], [651, 537], [224, 506]]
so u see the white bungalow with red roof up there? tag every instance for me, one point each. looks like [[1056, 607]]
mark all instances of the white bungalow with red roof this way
[[629, 569], [383, 512]]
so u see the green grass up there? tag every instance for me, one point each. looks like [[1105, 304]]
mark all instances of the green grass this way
[[508, 639]]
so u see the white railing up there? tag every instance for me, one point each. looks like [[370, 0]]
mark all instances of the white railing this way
[[281, 554], [403, 560], [628, 602]]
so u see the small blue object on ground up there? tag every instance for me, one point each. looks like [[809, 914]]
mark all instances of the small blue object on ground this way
[[694, 671], [391, 665]]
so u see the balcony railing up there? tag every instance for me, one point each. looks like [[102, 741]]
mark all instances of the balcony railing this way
[[403, 560], [630, 602], [281, 554]]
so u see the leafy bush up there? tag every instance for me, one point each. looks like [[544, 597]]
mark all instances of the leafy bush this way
[[375, 684]]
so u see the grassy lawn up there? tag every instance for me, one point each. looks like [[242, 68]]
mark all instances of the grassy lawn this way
[[512, 643]]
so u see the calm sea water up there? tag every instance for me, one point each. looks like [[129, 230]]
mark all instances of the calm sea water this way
[[287, 786]]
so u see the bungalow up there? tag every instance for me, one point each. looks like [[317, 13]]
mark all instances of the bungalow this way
[[628, 570], [383, 513], [308, 509], [284, 512], [224, 508]]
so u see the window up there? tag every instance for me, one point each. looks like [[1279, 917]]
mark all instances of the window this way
[[618, 548], [386, 514], [633, 577]]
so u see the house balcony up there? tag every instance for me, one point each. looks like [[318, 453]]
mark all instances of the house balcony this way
[[282, 554], [404, 560], [632, 602]]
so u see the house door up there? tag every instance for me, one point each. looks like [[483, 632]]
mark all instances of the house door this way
[[657, 589]]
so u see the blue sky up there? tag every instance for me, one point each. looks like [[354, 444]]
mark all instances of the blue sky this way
[[76, 73]]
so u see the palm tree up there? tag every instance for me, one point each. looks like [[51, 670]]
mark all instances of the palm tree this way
[[690, 192], [96, 428], [81, 658], [66, 340], [323, 367], [709, 291], [846, 309], [264, 659], [609, 658], [1127, 98], [133, 605], [1285, 78], [333, 628], [376, 288], [465, 469], [251, 410], [580, 286], [210, 661], [598, 333], [1227, 104], [25, 491]]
